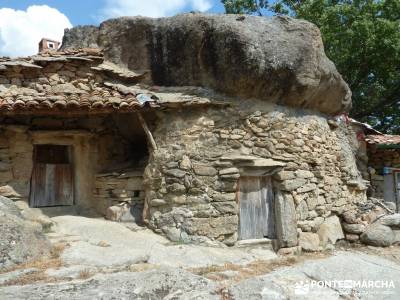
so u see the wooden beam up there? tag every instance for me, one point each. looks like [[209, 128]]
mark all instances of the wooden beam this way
[[147, 131]]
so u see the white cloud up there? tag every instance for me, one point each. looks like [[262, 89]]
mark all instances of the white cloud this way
[[201, 5], [21, 31], [151, 8]]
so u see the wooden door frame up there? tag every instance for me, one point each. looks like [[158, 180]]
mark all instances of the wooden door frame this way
[[81, 160], [71, 163], [273, 196]]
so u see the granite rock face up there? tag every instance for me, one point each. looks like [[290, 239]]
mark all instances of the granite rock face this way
[[165, 283], [20, 240], [277, 59]]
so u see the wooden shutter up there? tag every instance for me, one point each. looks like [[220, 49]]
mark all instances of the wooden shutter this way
[[256, 208]]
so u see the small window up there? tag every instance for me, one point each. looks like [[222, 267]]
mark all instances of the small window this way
[[50, 45]]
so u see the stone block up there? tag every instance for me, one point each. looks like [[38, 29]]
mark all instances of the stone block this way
[[204, 170], [10, 192], [390, 220], [302, 210], [222, 197], [353, 228], [212, 227], [286, 230], [229, 171], [306, 188], [304, 174], [261, 152], [158, 202], [308, 241], [175, 173], [185, 163], [290, 251], [292, 184], [114, 213], [330, 231], [284, 175], [312, 202], [352, 237], [229, 207]]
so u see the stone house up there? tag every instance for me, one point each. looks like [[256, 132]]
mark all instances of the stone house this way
[[384, 167], [186, 147]]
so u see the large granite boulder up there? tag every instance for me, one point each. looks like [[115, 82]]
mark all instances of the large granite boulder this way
[[20, 240], [277, 59], [378, 235]]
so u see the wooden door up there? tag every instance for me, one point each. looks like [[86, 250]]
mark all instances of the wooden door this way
[[52, 177], [255, 197], [397, 189]]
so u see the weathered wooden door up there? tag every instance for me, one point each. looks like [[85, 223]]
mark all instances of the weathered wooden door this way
[[397, 188], [256, 198], [52, 177]]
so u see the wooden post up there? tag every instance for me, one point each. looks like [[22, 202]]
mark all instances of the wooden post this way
[[147, 131]]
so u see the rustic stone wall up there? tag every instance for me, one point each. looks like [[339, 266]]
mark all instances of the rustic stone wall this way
[[16, 162], [117, 188], [98, 146], [191, 188]]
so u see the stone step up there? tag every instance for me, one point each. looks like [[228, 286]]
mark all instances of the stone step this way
[[59, 211], [264, 242]]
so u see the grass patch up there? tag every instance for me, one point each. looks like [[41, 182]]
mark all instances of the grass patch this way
[[85, 274], [47, 227], [53, 260], [58, 249], [255, 268], [142, 267]]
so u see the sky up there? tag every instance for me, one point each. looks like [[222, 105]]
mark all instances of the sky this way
[[24, 22]]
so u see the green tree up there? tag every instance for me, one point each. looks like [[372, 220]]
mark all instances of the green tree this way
[[362, 37], [245, 6]]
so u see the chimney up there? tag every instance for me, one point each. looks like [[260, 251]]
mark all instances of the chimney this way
[[48, 45]]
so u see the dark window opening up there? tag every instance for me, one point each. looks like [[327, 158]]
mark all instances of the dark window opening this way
[[51, 154]]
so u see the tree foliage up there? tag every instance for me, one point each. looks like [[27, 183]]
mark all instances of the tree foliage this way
[[245, 6], [362, 37]]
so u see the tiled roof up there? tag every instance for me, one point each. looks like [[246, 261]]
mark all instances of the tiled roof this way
[[80, 81], [102, 99], [31, 87], [384, 139]]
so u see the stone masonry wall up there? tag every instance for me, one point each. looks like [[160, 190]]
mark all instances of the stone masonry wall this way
[[16, 163], [191, 189], [119, 188], [93, 155]]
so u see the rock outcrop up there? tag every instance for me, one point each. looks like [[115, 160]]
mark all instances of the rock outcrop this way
[[277, 59], [166, 283], [20, 240]]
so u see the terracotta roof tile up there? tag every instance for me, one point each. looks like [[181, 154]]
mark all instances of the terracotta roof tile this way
[[95, 100], [384, 139]]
